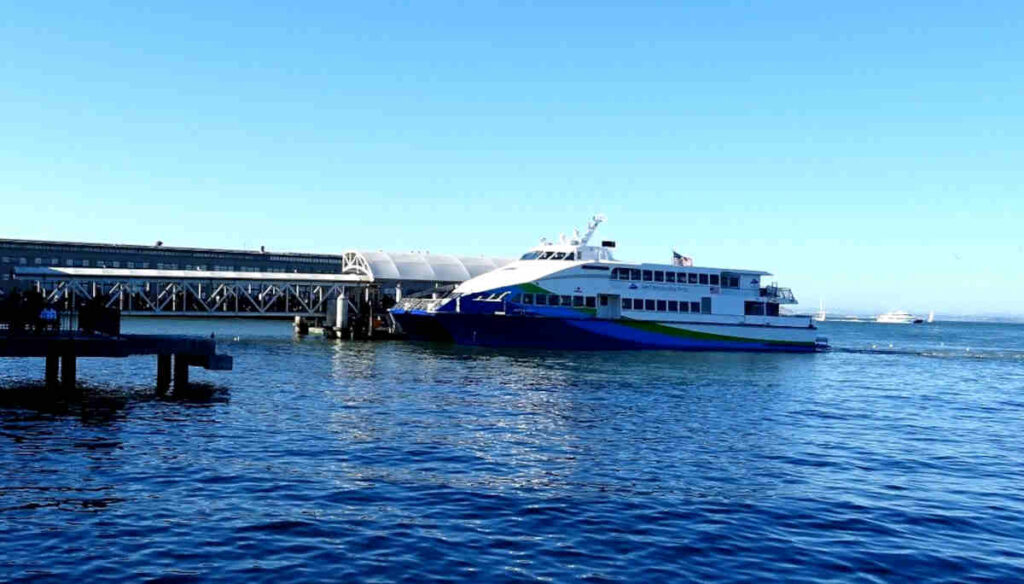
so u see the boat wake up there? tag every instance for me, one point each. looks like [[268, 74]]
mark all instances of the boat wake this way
[[943, 353]]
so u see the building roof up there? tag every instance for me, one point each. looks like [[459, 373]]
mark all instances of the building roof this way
[[421, 267]]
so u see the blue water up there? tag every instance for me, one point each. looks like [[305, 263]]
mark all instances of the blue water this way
[[898, 456]]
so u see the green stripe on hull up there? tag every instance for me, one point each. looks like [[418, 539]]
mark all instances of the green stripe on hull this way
[[654, 327]]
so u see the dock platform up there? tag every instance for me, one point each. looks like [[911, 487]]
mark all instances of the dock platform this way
[[61, 351]]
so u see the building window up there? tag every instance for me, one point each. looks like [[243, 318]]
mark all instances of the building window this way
[[591, 302], [5, 260], [695, 307], [22, 261], [714, 279], [673, 305], [69, 262], [649, 304], [659, 276], [85, 263], [661, 306], [670, 277], [116, 264]]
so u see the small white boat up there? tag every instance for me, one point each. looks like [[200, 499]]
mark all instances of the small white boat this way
[[896, 317], [820, 317]]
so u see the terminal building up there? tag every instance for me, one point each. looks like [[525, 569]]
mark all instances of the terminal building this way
[[99, 266]]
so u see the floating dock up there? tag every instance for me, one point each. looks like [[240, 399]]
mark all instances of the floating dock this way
[[175, 354]]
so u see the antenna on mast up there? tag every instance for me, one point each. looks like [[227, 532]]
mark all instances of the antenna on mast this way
[[592, 227]]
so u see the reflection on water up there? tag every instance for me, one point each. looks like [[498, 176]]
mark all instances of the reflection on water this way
[[361, 461]]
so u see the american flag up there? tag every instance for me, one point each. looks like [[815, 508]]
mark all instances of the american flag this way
[[681, 260]]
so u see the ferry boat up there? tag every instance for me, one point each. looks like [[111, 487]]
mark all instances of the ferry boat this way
[[572, 295], [898, 317]]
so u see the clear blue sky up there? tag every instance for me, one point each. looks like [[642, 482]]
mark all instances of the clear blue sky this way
[[870, 153]]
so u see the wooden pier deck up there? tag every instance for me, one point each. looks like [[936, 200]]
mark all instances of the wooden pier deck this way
[[61, 350]]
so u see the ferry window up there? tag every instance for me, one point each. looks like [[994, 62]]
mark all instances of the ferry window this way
[[553, 300], [623, 273], [566, 301], [659, 276], [604, 301], [615, 273], [558, 255], [714, 279], [734, 281], [634, 274], [692, 278], [570, 256], [695, 307], [577, 301], [673, 306], [542, 299], [684, 307], [627, 304], [771, 309], [591, 302], [661, 305], [705, 305], [648, 276], [530, 256], [670, 277], [648, 305], [527, 298], [704, 279], [544, 255], [751, 308]]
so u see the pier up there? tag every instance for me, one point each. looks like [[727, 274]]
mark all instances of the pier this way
[[174, 354]]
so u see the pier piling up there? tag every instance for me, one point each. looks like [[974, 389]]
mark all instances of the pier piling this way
[[180, 373], [163, 373], [68, 371]]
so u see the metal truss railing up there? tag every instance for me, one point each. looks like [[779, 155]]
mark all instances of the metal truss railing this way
[[189, 297]]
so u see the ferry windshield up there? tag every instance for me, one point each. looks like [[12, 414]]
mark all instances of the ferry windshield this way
[[530, 256]]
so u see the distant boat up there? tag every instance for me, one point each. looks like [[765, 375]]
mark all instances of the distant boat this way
[[820, 317], [931, 317], [897, 317]]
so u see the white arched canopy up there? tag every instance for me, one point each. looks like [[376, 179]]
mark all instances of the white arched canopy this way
[[417, 267]]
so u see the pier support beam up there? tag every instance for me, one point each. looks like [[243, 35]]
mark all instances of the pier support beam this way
[[163, 374], [180, 373], [52, 368], [68, 371]]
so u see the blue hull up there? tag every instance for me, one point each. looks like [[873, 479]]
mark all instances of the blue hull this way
[[567, 333]]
